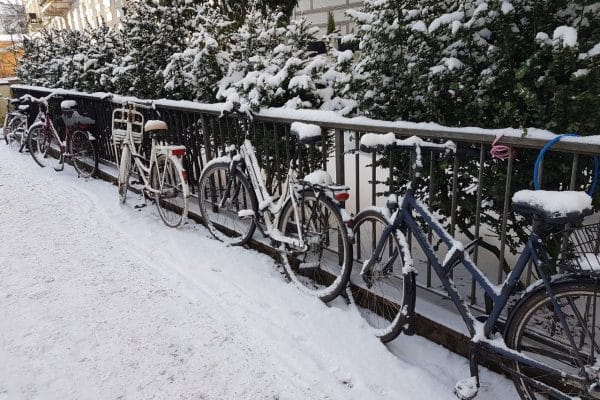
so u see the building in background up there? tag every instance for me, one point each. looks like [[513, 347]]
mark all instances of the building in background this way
[[317, 11], [72, 14]]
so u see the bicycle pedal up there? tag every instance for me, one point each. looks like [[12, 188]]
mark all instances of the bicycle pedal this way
[[58, 169], [138, 206], [466, 389]]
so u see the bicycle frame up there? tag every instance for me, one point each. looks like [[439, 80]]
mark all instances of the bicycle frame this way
[[264, 198], [499, 294]]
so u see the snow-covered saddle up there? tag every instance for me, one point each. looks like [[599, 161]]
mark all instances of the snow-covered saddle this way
[[306, 133], [553, 207]]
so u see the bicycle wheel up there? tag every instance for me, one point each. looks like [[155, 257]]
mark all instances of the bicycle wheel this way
[[324, 269], [16, 131], [124, 173], [84, 154], [219, 206], [5, 130], [384, 291], [536, 330], [172, 195], [40, 143]]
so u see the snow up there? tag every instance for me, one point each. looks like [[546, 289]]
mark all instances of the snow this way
[[305, 131], [374, 140], [553, 202], [68, 104], [565, 35], [419, 26], [445, 19], [130, 308], [594, 51], [155, 125], [319, 177]]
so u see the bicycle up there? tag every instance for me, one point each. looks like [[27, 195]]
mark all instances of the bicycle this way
[[305, 223], [163, 176], [79, 144], [549, 344], [15, 123]]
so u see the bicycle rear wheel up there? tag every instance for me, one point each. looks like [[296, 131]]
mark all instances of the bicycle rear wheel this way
[[172, 194], [536, 330], [383, 292], [221, 196], [324, 269], [84, 154]]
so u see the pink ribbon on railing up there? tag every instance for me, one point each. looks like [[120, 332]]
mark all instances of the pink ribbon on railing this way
[[501, 151]]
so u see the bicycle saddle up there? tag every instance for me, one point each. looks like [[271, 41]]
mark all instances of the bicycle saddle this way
[[553, 207], [156, 128], [306, 133]]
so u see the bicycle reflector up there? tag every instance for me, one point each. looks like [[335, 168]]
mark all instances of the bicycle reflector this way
[[178, 152], [342, 196]]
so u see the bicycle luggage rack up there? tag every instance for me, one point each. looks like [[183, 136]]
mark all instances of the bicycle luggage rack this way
[[579, 249]]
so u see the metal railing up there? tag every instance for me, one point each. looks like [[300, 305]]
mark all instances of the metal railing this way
[[200, 128]]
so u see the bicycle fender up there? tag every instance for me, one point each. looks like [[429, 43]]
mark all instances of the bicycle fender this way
[[177, 162], [538, 286]]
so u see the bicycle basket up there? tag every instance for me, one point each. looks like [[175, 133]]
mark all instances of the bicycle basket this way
[[123, 120], [580, 250]]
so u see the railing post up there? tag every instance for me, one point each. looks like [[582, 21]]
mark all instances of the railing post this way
[[339, 157]]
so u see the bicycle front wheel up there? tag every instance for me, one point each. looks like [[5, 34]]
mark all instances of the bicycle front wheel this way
[[535, 329], [382, 292], [221, 197], [124, 172], [84, 154], [16, 131], [171, 195], [40, 141], [324, 268]]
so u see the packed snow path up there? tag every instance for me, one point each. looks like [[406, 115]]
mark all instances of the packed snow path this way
[[102, 301]]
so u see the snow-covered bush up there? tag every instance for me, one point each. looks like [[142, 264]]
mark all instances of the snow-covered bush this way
[[193, 73], [270, 65]]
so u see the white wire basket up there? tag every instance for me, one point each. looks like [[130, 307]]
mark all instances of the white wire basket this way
[[124, 121]]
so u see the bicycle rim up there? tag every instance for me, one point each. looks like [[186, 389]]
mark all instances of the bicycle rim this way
[[219, 208], [83, 154], [537, 331], [40, 140], [324, 269], [381, 292], [171, 199]]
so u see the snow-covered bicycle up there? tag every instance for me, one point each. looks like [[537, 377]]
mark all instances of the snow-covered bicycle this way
[[163, 177], [14, 128], [305, 223], [79, 144]]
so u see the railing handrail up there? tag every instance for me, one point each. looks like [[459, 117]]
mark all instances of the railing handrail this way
[[328, 119]]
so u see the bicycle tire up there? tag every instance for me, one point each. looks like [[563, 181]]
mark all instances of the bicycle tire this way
[[15, 123], [526, 327], [171, 198], [124, 173], [224, 223], [39, 141], [84, 154], [324, 269], [383, 295], [5, 126]]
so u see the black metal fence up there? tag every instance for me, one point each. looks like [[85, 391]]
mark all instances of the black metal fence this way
[[471, 193]]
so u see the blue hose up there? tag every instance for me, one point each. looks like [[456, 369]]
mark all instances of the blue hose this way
[[540, 157]]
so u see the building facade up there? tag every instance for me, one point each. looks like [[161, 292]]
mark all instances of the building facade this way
[[317, 11], [72, 14]]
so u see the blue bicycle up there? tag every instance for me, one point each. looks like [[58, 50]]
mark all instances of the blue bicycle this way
[[549, 340]]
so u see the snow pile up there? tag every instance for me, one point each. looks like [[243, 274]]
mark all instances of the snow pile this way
[[319, 177], [305, 131], [565, 36], [378, 141], [554, 203]]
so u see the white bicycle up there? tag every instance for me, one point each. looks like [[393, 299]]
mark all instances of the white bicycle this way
[[305, 223], [163, 177]]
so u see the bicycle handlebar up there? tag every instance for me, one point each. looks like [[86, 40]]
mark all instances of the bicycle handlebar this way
[[372, 142]]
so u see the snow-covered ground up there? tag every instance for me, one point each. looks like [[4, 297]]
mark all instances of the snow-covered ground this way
[[102, 301]]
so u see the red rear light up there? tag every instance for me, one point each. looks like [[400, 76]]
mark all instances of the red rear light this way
[[342, 196], [185, 175], [178, 152]]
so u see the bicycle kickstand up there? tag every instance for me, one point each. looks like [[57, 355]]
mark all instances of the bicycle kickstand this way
[[467, 389]]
